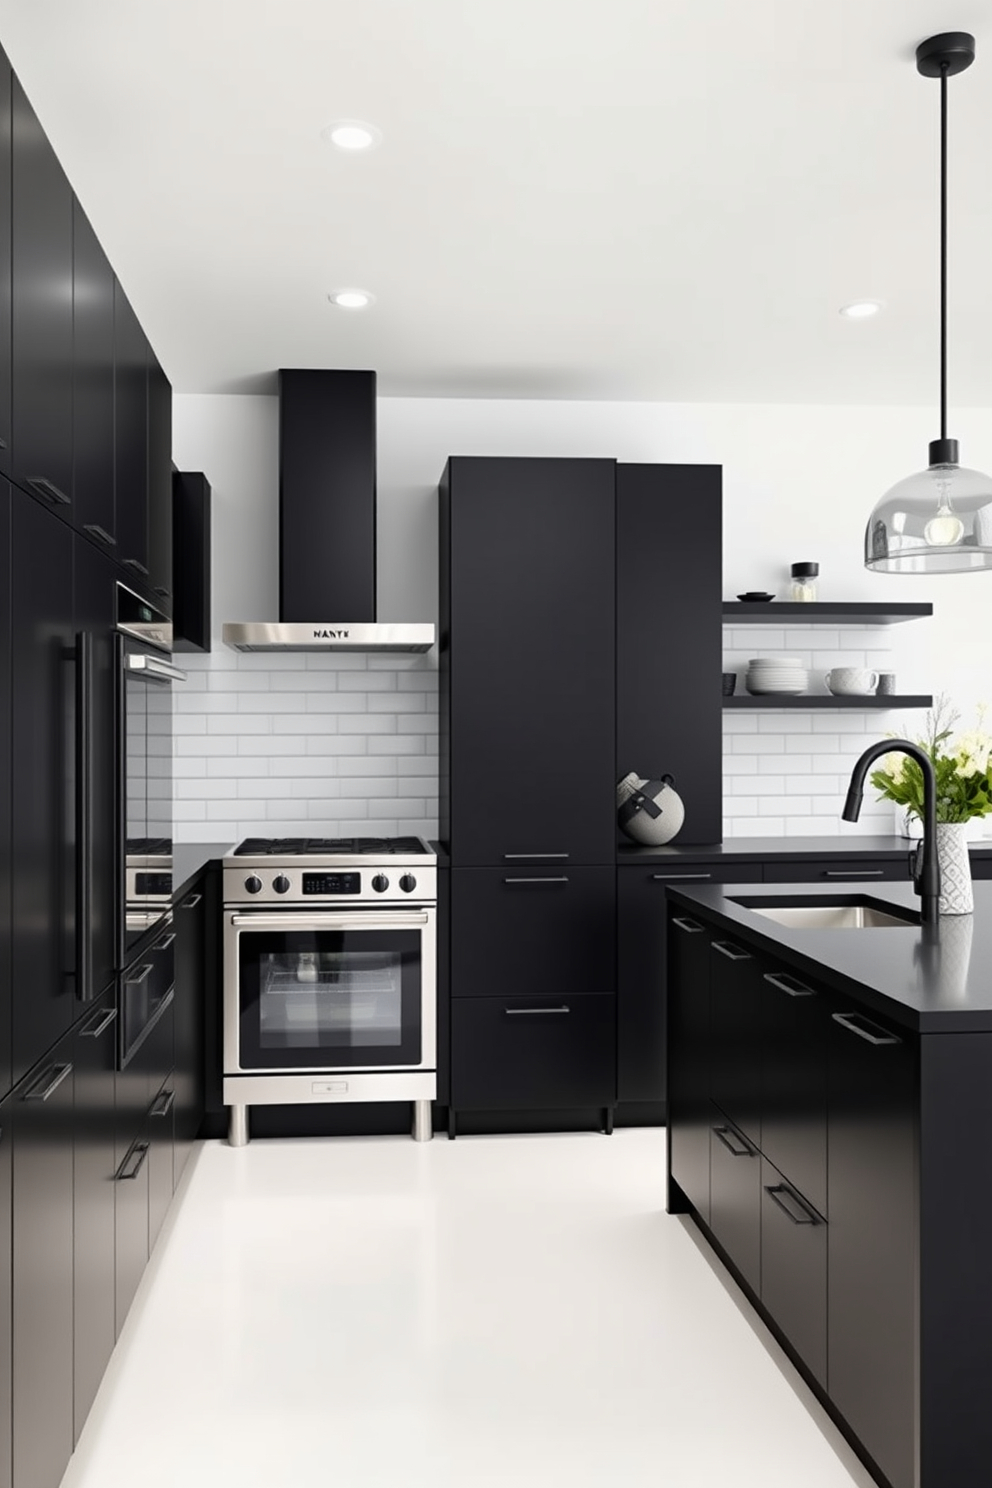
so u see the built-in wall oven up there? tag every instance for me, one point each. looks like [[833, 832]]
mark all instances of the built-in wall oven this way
[[330, 981], [144, 788]]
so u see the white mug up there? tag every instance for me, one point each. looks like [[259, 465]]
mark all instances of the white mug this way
[[851, 681]]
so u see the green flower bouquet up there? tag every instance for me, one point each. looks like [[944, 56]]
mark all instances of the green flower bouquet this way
[[961, 765]]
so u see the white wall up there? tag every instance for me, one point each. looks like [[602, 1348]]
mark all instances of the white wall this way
[[798, 484]]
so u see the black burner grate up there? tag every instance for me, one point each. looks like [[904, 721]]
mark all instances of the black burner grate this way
[[294, 847]]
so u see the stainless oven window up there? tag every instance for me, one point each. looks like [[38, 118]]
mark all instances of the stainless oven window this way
[[320, 999]]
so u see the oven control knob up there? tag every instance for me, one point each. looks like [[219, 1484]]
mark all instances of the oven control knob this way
[[408, 883], [253, 883], [281, 884], [380, 883]]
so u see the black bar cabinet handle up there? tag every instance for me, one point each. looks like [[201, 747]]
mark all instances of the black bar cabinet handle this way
[[100, 533], [678, 877], [162, 593], [141, 975], [162, 1104], [139, 1150], [725, 1135], [530, 1012], [543, 857], [689, 926], [779, 1192], [49, 490], [730, 951], [85, 869], [191, 902], [58, 1073], [852, 873], [133, 563], [100, 1026], [165, 942], [562, 878], [871, 1033], [788, 984]]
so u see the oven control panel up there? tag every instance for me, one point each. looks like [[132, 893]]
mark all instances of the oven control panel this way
[[332, 883], [284, 885]]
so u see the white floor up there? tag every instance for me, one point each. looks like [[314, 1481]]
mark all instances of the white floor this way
[[508, 1311]]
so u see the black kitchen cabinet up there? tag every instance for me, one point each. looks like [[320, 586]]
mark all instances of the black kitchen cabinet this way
[[528, 598], [532, 1053], [794, 1080], [669, 635], [41, 1114], [41, 340], [871, 1236], [534, 933], [735, 1195], [736, 997], [5, 801], [160, 557], [793, 1281], [161, 1159], [144, 1135], [6, 1291], [92, 385], [43, 769], [190, 1017], [94, 1170], [131, 358], [191, 550], [690, 1114], [5, 284], [839, 871]]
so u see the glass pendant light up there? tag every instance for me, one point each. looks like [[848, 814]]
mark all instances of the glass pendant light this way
[[939, 521]]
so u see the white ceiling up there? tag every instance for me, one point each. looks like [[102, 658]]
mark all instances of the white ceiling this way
[[646, 199]]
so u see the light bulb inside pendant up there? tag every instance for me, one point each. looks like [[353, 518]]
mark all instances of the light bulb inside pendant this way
[[945, 529]]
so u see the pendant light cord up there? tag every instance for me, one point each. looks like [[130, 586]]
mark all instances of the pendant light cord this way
[[943, 251]]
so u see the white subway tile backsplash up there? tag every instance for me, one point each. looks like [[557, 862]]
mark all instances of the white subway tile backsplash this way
[[397, 744], [785, 764]]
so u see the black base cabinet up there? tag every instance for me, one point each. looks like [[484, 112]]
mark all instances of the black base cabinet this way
[[793, 1283], [6, 1290], [689, 1109], [532, 1053], [191, 922], [735, 1195]]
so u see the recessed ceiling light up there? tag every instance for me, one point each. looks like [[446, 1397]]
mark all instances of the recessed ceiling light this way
[[351, 134], [351, 299], [862, 309]]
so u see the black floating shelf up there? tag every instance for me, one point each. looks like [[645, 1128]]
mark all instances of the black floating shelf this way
[[791, 700], [775, 612]]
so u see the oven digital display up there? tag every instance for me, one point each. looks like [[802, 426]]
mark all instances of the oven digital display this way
[[332, 883]]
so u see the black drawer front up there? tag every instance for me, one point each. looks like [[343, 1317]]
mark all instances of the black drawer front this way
[[691, 874], [533, 1053], [735, 1196], [160, 1133], [544, 932], [794, 1268], [838, 871]]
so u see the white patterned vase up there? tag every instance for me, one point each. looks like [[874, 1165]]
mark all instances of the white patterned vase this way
[[956, 897]]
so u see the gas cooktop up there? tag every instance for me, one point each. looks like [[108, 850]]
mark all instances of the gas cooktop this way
[[329, 847]]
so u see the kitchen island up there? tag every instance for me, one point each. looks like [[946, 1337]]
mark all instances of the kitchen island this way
[[830, 1120]]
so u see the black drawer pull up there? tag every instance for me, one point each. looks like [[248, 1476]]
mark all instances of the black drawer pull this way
[[780, 1192], [163, 1103], [689, 926], [163, 593], [678, 877], [788, 984], [49, 490], [133, 563], [164, 943], [542, 857], [191, 902], [139, 1151], [100, 533], [562, 878], [531, 1012], [58, 1073], [871, 1033], [100, 1026], [731, 952], [852, 873], [725, 1134], [141, 975]]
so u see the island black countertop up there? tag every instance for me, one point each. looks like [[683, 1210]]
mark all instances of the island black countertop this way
[[932, 979]]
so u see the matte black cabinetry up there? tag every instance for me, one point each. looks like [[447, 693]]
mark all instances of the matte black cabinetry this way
[[736, 1033], [794, 1079], [190, 1017], [532, 1053], [92, 385], [131, 356], [41, 381], [6, 1291], [5, 795], [735, 1195], [42, 1121], [5, 280], [94, 1169], [159, 484], [690, 1114], [793, 1282], [191, 548]]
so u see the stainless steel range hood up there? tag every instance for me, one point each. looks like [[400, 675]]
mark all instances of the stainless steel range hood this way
[[327, 524]]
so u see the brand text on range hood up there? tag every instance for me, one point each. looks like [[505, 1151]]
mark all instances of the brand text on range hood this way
[[327, 524]]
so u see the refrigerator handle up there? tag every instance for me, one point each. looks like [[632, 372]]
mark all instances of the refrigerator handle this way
[[84, 817]]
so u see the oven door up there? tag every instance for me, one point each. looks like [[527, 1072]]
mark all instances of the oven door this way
[[332, 990]]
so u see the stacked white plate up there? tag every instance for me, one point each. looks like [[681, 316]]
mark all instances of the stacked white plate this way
[[772, 674]]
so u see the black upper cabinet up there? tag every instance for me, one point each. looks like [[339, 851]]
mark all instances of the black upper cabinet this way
[[131, 359], [669, 635], [42, 313], [191, 614], [43, 766], [93, 385], [5, 287], [527, 664], [160, 556]]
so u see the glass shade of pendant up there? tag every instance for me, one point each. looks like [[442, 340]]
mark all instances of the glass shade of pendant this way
[[938, 521]]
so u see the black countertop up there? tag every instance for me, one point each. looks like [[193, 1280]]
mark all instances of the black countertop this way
[[932, 979], [190, 858]]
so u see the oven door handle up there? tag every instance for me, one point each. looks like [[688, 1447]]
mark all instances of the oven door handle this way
[[371, 921], [154, 666]]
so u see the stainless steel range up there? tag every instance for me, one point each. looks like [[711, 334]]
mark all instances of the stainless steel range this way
[[330, 979]]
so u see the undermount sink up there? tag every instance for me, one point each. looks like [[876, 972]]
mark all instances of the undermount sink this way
[[858, 914]]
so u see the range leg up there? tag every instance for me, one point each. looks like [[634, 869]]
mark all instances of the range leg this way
[[237, 1132], [423, 1129]]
